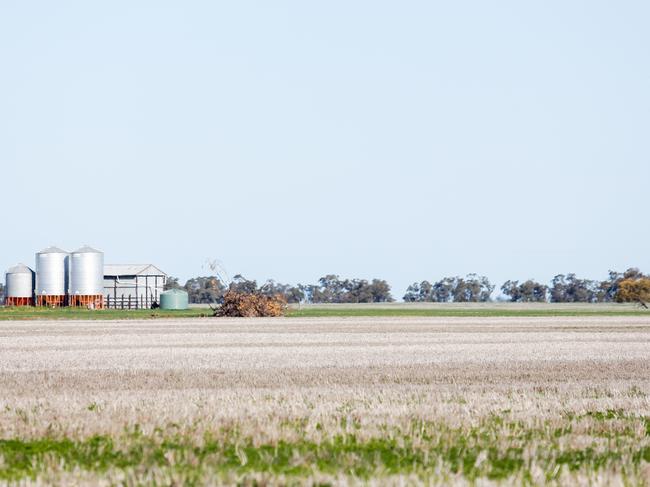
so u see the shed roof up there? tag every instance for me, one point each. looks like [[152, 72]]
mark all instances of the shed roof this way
[[132, 270]]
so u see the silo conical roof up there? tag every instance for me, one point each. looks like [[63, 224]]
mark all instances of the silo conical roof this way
[[19, 269], [19, 282], [86, 249], [52, 250]]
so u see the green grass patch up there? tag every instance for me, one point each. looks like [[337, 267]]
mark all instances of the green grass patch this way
[[494, 450], [333, 311], [33, 313], [342, 312]]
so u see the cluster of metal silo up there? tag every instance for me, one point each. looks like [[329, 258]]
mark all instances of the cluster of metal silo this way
[[19, 289], [51, 277], [61, 279], [86, 278]]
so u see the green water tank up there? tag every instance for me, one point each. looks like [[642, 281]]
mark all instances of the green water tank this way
[[173, 299]]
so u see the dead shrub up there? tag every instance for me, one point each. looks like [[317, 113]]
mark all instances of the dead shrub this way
[[251, 305]]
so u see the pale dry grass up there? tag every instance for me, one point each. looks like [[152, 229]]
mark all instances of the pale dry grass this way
[[316, 379]]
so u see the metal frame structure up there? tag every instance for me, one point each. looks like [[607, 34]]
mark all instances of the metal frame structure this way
[[95, 301], [14, 301], [52, 301], [144, 286]]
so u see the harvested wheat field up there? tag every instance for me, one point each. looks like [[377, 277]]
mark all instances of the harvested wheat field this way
[[341, 401]]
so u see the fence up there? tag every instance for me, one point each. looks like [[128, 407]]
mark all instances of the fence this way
[[130, 302]]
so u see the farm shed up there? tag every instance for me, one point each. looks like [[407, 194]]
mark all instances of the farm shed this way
[[133, 286]]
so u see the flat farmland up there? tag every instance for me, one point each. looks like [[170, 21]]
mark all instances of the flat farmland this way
[[335, 400]]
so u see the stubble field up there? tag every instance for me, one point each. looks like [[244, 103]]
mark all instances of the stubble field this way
[[410, 400]]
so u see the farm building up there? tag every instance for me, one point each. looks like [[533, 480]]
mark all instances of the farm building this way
[[131, 286]]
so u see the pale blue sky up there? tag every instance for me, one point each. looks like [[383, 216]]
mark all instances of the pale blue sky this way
[[404, 140]]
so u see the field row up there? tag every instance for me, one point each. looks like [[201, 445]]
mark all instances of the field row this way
[[338, 401]]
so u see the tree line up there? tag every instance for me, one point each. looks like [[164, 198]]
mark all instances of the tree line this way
[[629, 286], [563, 288], [329, 289]]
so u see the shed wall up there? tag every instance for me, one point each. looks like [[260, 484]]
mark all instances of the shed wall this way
[[133, 291]]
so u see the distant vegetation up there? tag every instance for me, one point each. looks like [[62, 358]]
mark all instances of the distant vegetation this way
[[330, 289], [562, 289], [629, 286], [471, 289]]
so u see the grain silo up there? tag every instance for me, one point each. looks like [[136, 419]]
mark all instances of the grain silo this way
[[51, 277], [19, 288], [86, 278]]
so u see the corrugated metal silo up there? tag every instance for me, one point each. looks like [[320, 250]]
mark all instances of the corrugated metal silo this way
[[51, 277], [19, 288], [87, 278]]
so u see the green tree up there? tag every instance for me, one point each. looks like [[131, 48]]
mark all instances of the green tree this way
[[205, 289], [331, 289], [291, 294], [419, 292], [528, 291], [472, 289], [443, 290], [570, 289], [380, 291], [172, 283], [240, 284]]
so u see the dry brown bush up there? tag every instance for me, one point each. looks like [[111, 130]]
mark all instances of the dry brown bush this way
[[634, 291], [251, 305]]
